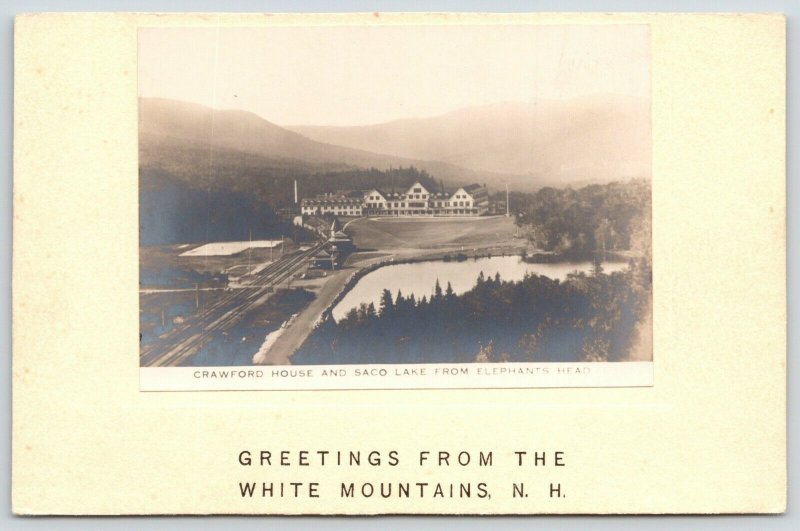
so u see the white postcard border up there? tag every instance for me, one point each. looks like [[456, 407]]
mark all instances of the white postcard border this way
[[398, 376]]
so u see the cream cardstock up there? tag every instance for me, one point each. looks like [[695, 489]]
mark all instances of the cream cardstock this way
[[707, 437]]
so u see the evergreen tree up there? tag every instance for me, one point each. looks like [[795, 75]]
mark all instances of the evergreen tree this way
[[351, 317], [386, 304], [597, 266]]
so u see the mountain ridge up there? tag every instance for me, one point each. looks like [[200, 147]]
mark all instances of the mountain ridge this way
[[173, 123], [593, 138]]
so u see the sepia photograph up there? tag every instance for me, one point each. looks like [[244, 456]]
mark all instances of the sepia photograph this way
[[447, 198]]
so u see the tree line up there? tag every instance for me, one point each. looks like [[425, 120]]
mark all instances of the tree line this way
[[175, 207], [587, 317], [593, 219]]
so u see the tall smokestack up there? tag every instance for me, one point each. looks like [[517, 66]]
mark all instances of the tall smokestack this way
[[295, 191]]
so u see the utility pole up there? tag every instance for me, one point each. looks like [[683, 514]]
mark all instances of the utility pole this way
[[249, 251], [507, 205]]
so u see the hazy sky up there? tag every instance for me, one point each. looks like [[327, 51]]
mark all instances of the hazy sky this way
[[362, 75]]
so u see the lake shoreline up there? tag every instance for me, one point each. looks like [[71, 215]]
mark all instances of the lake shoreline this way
[[450, 257]]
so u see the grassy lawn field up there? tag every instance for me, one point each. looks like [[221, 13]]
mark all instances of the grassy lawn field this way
[[431, 233]]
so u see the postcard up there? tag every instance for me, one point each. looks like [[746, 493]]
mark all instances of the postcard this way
[[438, 264]]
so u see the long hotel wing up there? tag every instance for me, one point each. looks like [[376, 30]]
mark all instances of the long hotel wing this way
[[471, 200]]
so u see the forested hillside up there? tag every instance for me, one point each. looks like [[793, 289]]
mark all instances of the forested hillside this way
[[200, 136], [596, 317], [239, 196], [612, 217]]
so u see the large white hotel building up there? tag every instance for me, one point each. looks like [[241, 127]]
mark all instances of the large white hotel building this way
[[472, 200]]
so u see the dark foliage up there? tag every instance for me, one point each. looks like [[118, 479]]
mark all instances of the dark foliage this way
[[173, 211], [178, 208], [595, 218], [167, 276], [584, 318]]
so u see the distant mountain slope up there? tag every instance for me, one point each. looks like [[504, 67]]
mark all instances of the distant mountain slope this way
[[593, 138], [210, 175], [169, 127]]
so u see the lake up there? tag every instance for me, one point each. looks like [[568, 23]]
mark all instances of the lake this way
[[420, 278]]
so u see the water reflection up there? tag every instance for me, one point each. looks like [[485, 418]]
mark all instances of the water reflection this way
[[420, 278]]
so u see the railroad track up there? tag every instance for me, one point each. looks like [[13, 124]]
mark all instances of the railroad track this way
[[184, 340]]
